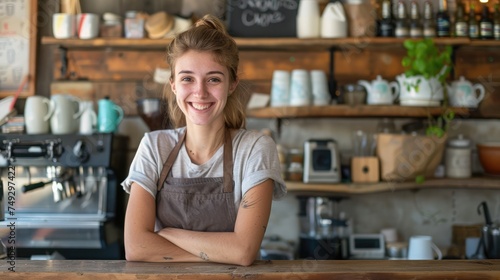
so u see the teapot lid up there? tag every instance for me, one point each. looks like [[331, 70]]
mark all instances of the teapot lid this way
[[459, 141]]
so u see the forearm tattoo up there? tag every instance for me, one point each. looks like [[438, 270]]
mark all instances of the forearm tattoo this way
[[168, 258], [204, 256]]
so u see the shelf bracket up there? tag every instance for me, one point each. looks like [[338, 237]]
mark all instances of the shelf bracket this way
[[64, 62], [331, 78]]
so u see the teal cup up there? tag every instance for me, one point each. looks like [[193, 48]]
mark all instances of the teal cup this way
[[109, 116]]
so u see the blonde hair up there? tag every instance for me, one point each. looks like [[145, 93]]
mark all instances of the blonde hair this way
[[209, 35]]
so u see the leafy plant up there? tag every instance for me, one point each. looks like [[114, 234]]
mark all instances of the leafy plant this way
[[424, 58]]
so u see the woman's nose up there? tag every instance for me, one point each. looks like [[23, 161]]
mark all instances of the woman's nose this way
[[200, 89]]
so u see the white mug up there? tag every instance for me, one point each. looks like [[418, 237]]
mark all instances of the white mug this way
[[37, 113], [65, 119], [421, 247], [280, 88], [63, 25], [87, 25], [300, 88], [319, 87]]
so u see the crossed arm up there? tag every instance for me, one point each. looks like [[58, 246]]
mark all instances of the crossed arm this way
[[178, 245]]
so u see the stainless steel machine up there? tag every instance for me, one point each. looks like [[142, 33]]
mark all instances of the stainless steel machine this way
[[324, 230], [67, 194]]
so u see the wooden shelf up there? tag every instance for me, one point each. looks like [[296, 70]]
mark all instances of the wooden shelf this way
[[357, 188], [350, 111], [263, 43]]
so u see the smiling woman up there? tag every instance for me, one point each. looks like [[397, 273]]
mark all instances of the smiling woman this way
[[203, 190]]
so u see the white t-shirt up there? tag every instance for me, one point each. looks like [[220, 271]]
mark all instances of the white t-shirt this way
[[254, 154]]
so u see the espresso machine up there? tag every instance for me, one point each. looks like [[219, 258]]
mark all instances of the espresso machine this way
[[67, 196], [324, 230]]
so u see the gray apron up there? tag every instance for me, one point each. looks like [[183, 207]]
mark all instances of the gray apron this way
[[199, 204]]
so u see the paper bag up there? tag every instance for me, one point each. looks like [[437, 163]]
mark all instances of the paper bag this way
[[404, 157]]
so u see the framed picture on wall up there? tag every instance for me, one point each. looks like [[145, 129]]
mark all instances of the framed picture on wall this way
[[18, 28]]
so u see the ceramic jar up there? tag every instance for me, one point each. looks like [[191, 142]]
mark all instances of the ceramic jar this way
[[458, 157]]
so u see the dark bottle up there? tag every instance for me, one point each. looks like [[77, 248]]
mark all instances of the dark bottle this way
[[415, 23], [386, 24], [443, 20], [496, 23], [429, 28], [473, 24], [486, 24], [461, 25], [402, 25]]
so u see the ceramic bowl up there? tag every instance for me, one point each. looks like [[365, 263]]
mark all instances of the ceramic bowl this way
[[489, 156]]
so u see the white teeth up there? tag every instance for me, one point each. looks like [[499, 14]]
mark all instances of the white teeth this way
[[200, 107]]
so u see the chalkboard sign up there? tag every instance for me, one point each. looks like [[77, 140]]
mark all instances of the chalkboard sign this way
[[18, 23], [262, 18]]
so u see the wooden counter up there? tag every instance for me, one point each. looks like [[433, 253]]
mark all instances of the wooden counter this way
[[299, 269]]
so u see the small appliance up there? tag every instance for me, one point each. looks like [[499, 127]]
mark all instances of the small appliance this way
[[366, 246], [321, 161]]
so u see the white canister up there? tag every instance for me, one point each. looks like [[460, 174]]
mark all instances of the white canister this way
[[308, 19], [458, 158]]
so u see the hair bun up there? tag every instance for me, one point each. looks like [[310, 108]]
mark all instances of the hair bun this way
[[212, 22]]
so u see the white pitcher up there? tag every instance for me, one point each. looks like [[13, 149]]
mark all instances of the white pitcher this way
[[333, 21], [67, 111], [88, 120]]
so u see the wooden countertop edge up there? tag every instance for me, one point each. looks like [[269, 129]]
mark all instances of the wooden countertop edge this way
[[297, 269]]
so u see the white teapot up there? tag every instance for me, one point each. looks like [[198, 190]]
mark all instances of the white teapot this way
[[463, 93], [380, 91]]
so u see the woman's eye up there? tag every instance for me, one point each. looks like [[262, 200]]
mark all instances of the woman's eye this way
[[214, 80], [186, 79]]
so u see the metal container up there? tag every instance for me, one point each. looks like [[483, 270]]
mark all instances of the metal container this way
[[491, 239]]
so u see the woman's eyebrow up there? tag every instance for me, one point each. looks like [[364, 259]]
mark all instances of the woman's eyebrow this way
[[209, 73]]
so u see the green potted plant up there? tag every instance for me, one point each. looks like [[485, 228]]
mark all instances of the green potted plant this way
[[424, 81]]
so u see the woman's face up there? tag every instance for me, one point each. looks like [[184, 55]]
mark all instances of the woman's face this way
[[201, 86]]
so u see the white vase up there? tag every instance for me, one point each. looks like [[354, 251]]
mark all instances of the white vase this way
[[308, 19]]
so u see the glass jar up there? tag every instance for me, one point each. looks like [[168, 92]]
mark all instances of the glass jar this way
[[458, 158], [295, 172], [134, 25]]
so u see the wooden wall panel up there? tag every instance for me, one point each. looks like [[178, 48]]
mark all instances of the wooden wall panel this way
[[259, 65], [353, 64], [106, 65]]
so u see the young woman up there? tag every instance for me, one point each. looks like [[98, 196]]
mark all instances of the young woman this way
[[202, 191]]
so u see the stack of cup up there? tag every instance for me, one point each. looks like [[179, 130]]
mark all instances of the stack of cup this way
[[319, 84], [280, 88], [299, 87]]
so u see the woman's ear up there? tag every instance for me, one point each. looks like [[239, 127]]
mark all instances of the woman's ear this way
[[172, 85], [233, 86]]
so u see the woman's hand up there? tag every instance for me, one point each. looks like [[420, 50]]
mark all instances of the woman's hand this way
[[239, 247]]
